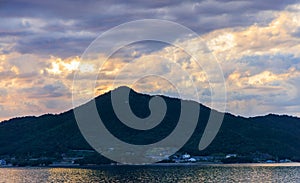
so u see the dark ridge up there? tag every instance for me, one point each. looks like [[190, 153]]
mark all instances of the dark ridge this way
[[51, 135]]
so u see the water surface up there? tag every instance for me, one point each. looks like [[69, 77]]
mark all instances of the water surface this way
[[159, 173]]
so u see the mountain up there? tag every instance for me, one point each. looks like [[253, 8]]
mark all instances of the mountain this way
[[53, 135]]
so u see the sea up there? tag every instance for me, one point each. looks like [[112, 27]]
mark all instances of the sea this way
[[283, 172]]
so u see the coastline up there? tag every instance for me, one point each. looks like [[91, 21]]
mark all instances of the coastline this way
[[292, 164]]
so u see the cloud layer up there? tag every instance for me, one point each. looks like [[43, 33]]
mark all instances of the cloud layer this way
[[256, 43]]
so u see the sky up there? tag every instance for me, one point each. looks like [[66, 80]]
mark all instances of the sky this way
[[256, 44]]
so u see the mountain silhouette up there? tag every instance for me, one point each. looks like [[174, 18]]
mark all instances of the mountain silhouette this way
[[51, 135]]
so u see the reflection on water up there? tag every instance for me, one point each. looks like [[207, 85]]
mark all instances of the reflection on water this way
[[215, 173]]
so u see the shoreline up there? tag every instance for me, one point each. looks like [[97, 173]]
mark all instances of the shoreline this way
[[292, 164]]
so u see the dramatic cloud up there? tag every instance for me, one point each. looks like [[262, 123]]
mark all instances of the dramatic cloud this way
[[256, 43], [65, 28]]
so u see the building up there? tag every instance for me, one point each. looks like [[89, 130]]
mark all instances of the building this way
[[270, 161], [185, 156], [2, 162], [231, 156], [192, 160]]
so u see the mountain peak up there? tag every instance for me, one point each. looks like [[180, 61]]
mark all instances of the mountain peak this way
[[54, 134], [123, 87]]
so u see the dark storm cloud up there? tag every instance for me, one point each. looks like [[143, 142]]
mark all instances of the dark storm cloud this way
[[7, 75], [64, 46], [95, 17], [54, 90], [241, 6], [266, 62], [89, 8], [16, 33], [296, 33]]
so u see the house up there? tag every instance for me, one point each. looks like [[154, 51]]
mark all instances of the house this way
[[2, 162], [204, 158], [285, 161], [185, 156], [191, 160], [270, 161], [231, 156]]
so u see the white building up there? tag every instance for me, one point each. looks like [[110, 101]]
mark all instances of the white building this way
[[192, 160], [2, 162], [231, 156], [185, 156]]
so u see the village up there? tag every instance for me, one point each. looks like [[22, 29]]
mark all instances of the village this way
[[85, 158], [228, 158]]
